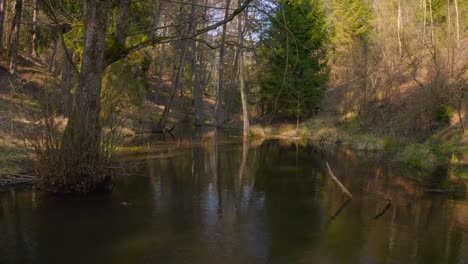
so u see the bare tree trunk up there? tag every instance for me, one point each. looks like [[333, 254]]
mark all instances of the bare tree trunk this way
[[66, 84], [399, 26], [449, 33], [245, 110], [460, 118], [54, 55], [162, 59], [15, 30], [432, 22], [366, 77], [457, 23], [156, 19], [197, 97], [34, 53], [82, 137], [424, 20], [123, 21], [219, 91], [179, 75], [3, 7]]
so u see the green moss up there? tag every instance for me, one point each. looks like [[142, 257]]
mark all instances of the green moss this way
[[366, 142], [418, 156], [130, 149], [443, 113], [461, 171]]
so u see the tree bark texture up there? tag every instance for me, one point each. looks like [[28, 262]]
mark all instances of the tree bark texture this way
[[245, 110], [15, 34], [219, 91], [3, 7], [34, 53], [82, 138]]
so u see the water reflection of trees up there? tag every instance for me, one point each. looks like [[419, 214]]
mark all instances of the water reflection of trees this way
[[203, 198], [419, 227]]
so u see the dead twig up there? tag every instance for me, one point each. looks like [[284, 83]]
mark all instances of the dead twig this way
[[342, 187]]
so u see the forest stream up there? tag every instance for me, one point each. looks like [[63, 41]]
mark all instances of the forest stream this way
[[205, 200]]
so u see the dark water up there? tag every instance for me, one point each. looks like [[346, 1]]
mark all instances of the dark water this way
[[209, 201]]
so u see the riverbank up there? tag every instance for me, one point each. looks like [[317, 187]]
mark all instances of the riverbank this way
[[24, 98], [447, 148]]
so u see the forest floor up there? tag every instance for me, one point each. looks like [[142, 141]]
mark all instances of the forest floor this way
[[19, 112]]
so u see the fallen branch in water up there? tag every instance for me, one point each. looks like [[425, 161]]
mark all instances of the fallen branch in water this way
[[387, 206], [342, 187], [385, 209], [338, 211], [8, 180]]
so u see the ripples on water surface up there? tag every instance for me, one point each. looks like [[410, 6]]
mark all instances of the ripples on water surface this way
[[208, 201]]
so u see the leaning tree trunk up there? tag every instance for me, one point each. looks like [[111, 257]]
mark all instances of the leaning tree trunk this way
[[3, 7], [34, 52], [178, 75], [15, 34], [82, 137], [219, 91]]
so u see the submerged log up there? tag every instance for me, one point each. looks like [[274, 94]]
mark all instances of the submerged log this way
[[342, 187], [383, 197], [340, 209], [385, 209], [10, 180]]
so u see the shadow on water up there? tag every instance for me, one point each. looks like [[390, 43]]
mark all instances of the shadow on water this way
[[212, 198]]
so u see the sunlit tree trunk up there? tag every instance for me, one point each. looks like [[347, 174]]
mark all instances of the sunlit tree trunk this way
[[245, 110], [449, 33], [424, 20], [457, 23], [34, 53], [399, 26], [3, 7], [432, 22], [219, 91], [15, 35]]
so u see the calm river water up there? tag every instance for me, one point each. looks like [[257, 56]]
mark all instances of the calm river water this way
[[207, 200]]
